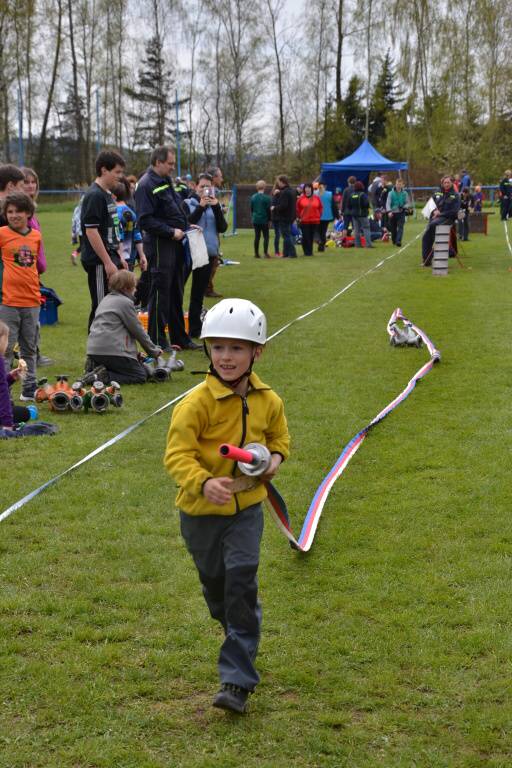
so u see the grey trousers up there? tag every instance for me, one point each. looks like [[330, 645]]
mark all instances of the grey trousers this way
[[23, 325], [226, 551]]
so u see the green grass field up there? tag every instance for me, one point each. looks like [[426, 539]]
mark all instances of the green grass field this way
[[389, 644]]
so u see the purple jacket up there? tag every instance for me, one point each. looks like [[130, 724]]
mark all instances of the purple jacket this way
[[6, 379]]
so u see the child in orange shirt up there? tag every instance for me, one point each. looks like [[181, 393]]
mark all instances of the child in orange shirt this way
[[19, 284]]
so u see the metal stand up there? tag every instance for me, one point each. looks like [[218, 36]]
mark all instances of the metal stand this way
[[441, 250]]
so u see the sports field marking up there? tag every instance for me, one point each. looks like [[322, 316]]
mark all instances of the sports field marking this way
[[21, 502], [507, 237]]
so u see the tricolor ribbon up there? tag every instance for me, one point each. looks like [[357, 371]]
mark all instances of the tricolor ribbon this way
[[276, 503]]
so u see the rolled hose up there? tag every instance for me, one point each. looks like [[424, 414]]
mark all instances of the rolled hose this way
[[100, 402], [160, 374], [116, 400], [76, 403], [59, 401]]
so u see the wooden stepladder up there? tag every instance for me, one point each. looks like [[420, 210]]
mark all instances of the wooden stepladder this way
[[441, 250]]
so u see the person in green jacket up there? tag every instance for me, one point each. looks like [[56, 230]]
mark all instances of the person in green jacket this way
[[260, 212], [398, 204]]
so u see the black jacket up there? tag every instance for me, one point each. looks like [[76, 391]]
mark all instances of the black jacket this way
[[160, 209], [506, 187], [195, 215], [447, 203], [346, 197], [285, 209], [358, 203]]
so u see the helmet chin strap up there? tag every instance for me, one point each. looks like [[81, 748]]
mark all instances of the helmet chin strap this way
[[233, 384]]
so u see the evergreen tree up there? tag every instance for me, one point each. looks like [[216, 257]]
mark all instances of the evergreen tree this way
[[386, 96], [154, 117], [353, 111]]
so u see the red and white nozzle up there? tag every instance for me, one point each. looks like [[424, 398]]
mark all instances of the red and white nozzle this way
[[254, 459]]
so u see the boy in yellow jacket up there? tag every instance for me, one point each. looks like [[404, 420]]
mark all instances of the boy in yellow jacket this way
[[221, 511]]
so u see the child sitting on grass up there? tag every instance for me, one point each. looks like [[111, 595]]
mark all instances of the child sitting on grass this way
[[220, 510], [9, 414], [13, 417], [20, 247], [115, 330]]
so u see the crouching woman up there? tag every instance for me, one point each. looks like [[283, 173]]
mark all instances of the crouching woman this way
[[116, 330]]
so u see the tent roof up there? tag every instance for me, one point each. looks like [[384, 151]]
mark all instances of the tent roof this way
[[365, 158]]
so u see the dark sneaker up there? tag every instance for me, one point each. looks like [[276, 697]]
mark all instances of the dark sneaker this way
[[89, 364], [191, 345], [231, 697], [97, 374], [43, 361]]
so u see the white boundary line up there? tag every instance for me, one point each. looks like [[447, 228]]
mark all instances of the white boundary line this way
[[507, 237], [21, 502]]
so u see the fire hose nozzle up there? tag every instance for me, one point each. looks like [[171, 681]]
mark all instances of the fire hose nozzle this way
[[254, 459]]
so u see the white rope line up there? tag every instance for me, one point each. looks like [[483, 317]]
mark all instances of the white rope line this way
[[21, 502], [507, 237]]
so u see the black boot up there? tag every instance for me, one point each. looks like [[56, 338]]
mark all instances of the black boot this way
[[231, 697]]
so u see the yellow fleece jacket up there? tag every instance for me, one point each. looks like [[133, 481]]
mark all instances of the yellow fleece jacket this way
[[213, 414]]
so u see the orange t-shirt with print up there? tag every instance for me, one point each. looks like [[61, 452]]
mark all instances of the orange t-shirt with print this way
[[19, 279]]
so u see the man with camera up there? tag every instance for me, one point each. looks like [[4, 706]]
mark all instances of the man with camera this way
[[398, 206], [447, 204], [205, 212], [163, 219]]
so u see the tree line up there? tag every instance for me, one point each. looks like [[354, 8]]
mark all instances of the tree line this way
[[254, 89]]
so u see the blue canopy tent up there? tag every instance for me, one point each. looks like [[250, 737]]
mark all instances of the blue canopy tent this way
[[359, 164]]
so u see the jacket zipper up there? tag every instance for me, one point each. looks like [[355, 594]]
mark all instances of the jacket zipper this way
[[245, 411]]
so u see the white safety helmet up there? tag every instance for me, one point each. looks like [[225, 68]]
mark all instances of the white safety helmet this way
[[235, 319]]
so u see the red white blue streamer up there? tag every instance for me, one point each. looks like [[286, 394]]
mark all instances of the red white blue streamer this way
[[275, 502]]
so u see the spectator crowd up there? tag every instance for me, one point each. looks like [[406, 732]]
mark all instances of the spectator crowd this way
[[170, 228]]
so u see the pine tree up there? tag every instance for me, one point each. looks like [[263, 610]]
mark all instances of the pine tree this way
[[385, 98], [154, 117], [353, 111]]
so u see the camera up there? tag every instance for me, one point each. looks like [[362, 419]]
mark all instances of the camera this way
[[208, 192]]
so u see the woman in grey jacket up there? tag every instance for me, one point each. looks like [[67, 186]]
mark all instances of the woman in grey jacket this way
[[116, 330]]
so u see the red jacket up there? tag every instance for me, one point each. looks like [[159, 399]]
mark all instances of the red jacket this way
[[309, 209]]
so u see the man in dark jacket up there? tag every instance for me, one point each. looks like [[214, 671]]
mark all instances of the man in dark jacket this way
[[347, 219], [164, 222], [447, 202], [284, 213], [506, 196], [358, 207]]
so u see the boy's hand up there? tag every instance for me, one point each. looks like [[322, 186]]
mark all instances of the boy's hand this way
[[271, 472], [110, 268], [218, 490]]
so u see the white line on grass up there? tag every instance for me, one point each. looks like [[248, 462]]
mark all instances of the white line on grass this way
[[18, 504], [507, 237]]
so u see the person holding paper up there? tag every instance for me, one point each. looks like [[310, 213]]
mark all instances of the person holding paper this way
[[205, 212], [446, 207], [163, 219]]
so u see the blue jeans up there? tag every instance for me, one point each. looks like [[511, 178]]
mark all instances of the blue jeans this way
[[226, 550], [361, 224], [288, 244]]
